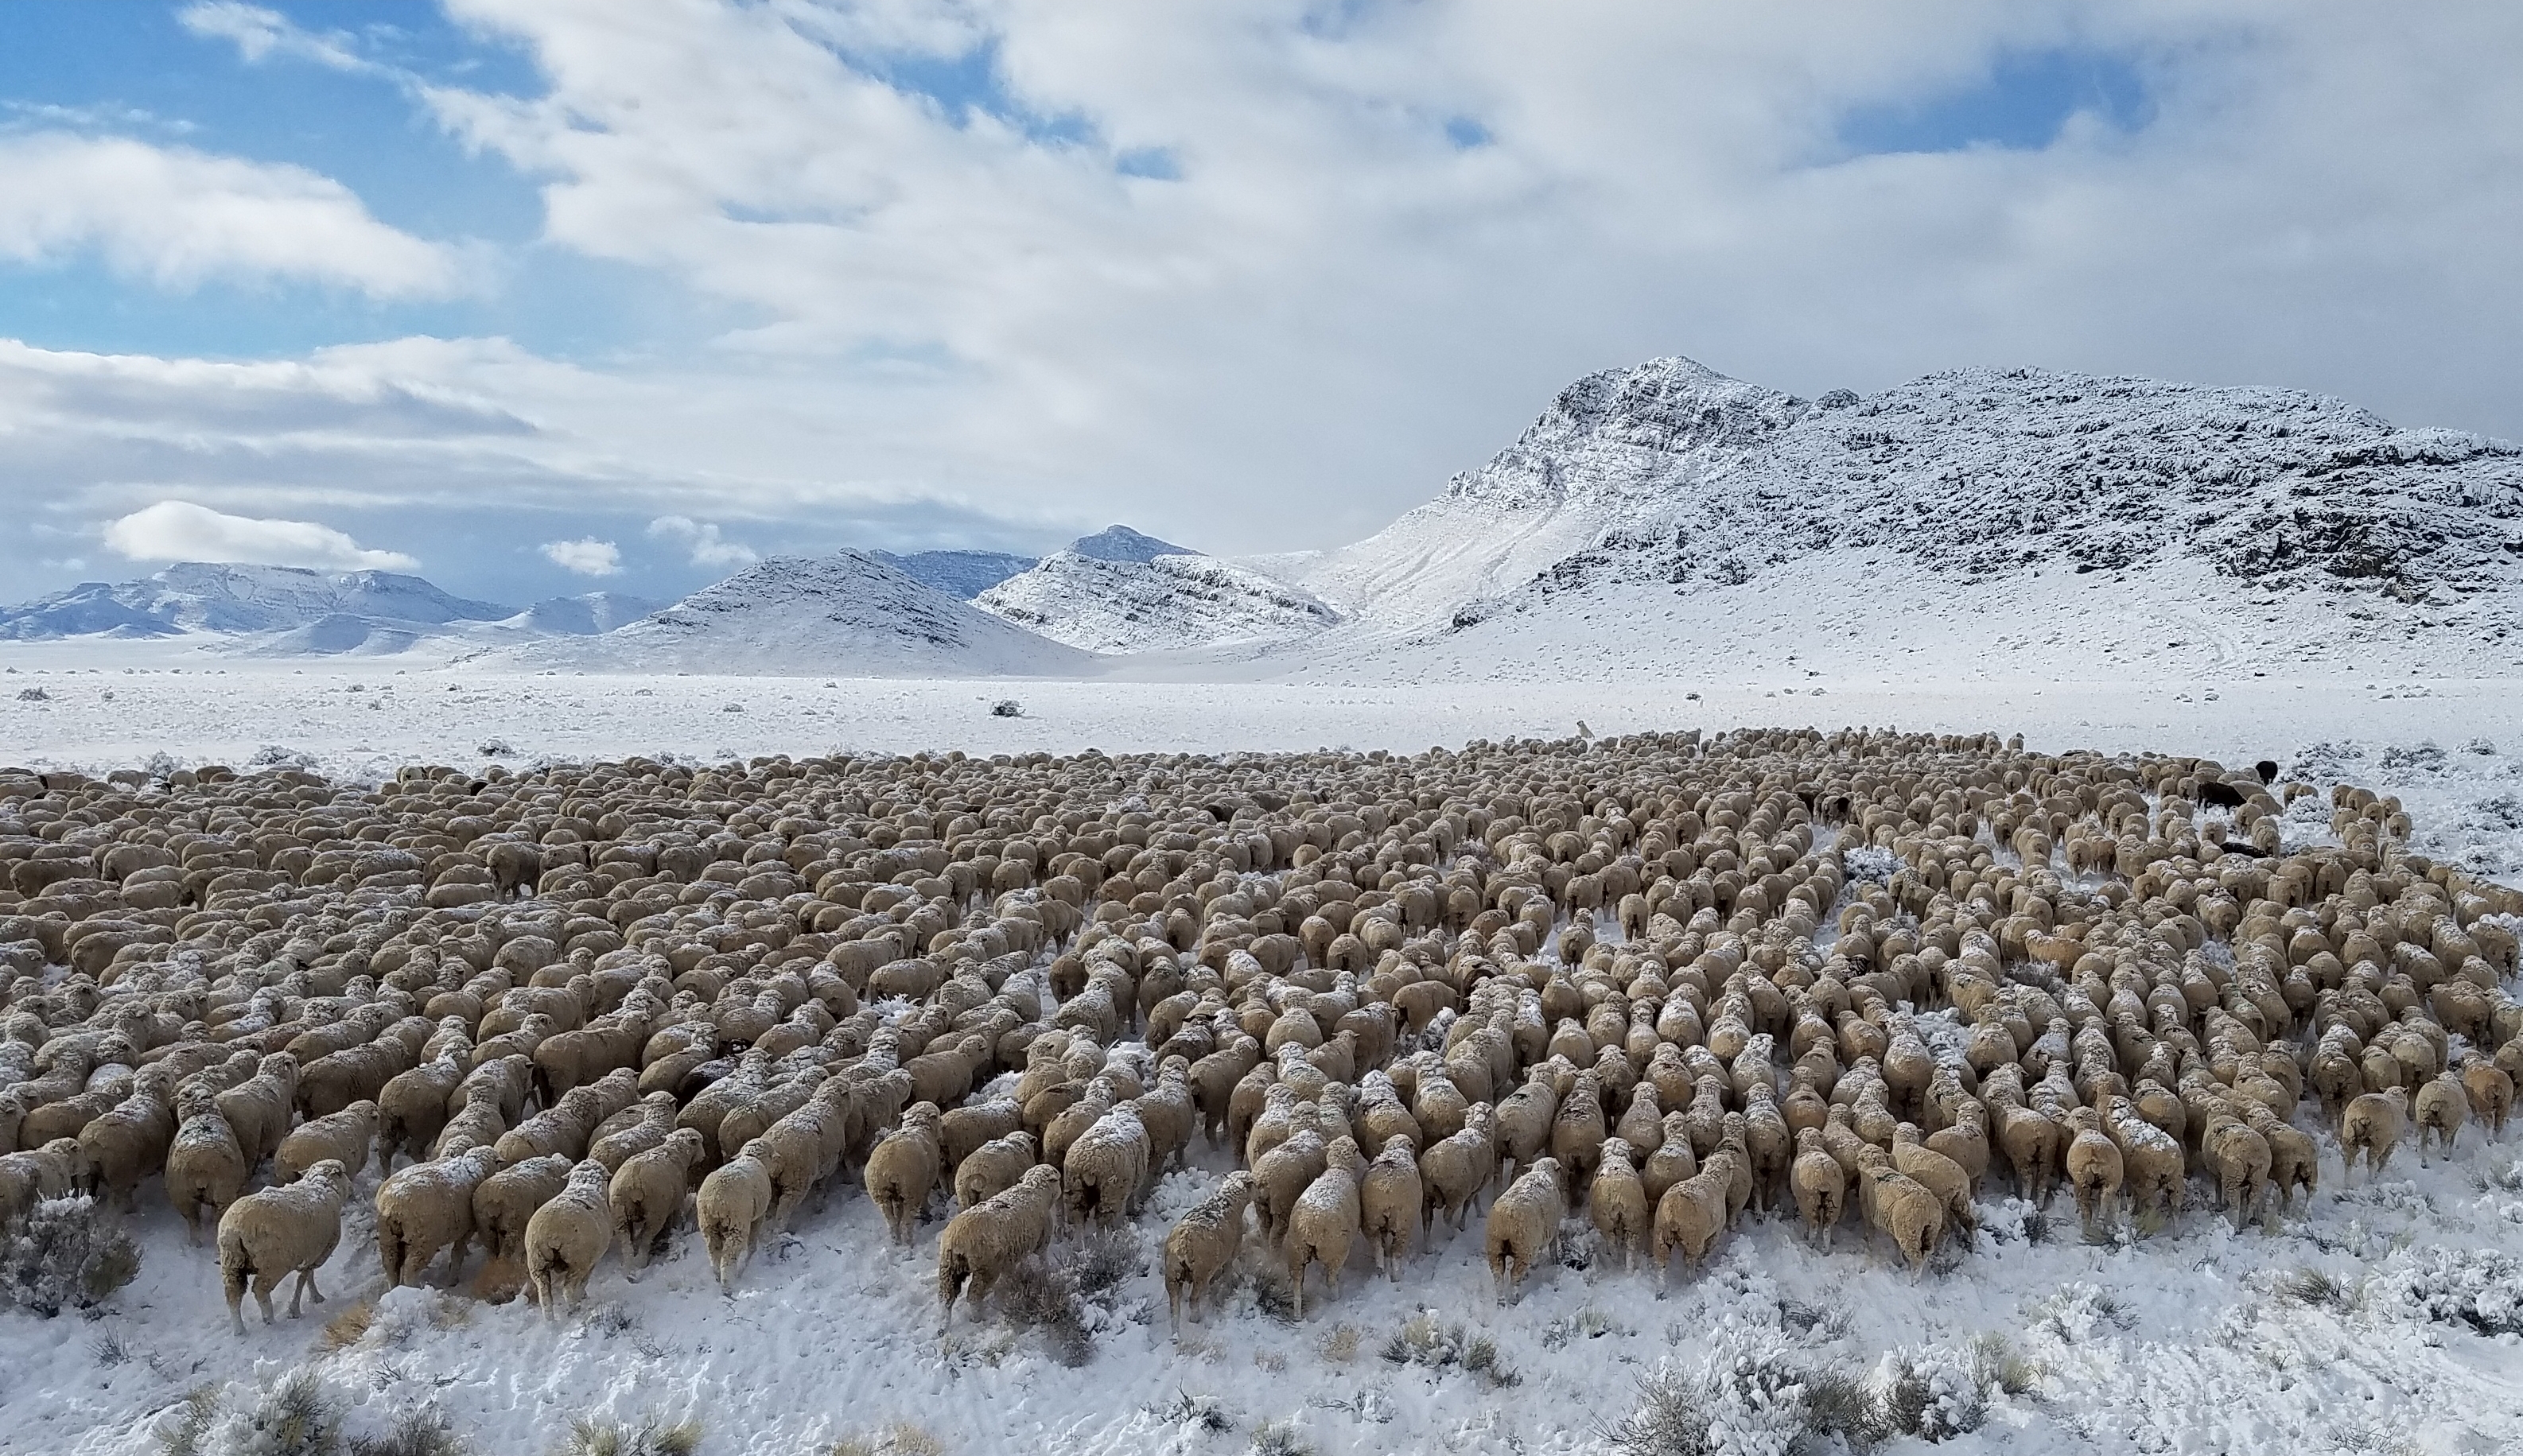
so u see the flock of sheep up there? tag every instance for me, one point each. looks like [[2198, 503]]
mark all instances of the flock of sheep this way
[[1651, 981]]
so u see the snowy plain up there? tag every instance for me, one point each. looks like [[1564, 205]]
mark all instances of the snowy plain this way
[[2175, 1343]]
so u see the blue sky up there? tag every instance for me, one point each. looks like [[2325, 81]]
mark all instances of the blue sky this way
[[459, 283]]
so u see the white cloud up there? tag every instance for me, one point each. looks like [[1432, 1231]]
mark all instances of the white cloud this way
[[180, 531], [701, 539], [179, 217], [258, 34], [1334, 304], [587, 557]]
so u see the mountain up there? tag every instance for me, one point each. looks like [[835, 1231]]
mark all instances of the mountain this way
[[1122, 543], [849, 613], [1673, 476], [962, 574], [196, 596], [578, 616], [1165, 603]]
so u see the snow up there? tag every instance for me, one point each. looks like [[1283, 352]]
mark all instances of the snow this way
[[1165, 603], [848, 612], [1122, 543], [1878, 575], [962, 574]]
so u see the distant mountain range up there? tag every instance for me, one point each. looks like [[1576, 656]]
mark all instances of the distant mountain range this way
[[1638, 516]]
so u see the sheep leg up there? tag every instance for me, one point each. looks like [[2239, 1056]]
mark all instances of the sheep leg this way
[[262, 1292]]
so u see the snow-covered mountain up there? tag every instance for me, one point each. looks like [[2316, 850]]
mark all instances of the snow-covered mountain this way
[[1672, 475], [1165, 603], [578, 616], [194, 596], [848, 613], [962, 574], [1122, 543]]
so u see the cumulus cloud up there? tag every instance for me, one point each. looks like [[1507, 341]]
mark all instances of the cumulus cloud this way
[[180, 531], [179, 217], [701, 539], [587, 557]]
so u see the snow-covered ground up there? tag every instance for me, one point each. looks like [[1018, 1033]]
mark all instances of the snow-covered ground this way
[[2204, 1340]]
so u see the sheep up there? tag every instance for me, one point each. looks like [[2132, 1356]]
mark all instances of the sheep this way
[[266, 1235], [2239, 1158], [1390, 1199], [1326, 1220], [206, 1168], [2438, 1109], [732, 1207], [1456, 1168], [1617, 1202], [348, 1137], [412, 1109], [506, 1203], [2094, 1168], [1524, 1226], [2371, 1128], [652, 1121], [28, 1177], [2490, 1091], [569, 1236], [983, 1242], [647, 1195], [992, 1168], [259, 1110], [1201, 1242], [904, 1169], [426, 1208], [1901, 1207], [1106, 1168], [1940, 1175], [1820, 1185], [129, 1141], [2152, 1162]]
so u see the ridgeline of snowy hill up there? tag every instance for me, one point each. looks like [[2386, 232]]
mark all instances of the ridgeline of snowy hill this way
[[1122, 543], [1671, 475], [1164, 604], [201, 596], [848, 613], [962, 574]]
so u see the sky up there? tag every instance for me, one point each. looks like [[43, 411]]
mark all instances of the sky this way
[[571, 294]]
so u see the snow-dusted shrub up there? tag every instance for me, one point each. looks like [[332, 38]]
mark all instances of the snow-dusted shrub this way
[[1425, 1340], [292, 1416], [1278, 1438], [900, 1439], [2479, 1288], [651, 1435], [62, 1256], [1097, 1265], [1923, 1396], [34, 696], [1036, 1297], [419, 1430], [1007, 707], [493, 748], [1749, 1396]]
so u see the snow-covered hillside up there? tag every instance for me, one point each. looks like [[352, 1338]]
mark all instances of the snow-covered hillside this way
[[1122, 543], [1671, 476], [962, 574], [200, 596], [1165, 603], [843, 613]]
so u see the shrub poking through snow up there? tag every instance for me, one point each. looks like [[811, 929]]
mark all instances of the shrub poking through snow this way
[[1036, 1297], [899, 1439], [1426, 1341], [2478, 1287], [650, 1436], [1278, 1438], [1920, 1396], [189, 1434], [292, 1416], [62, 1256], [1003, 708], [1200, 1413], [418, 1430], [1749, 1396]]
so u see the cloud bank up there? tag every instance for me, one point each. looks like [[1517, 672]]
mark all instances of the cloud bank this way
[[180, 531]]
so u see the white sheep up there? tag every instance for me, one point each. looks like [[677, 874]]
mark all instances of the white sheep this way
[[268, 1235]]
